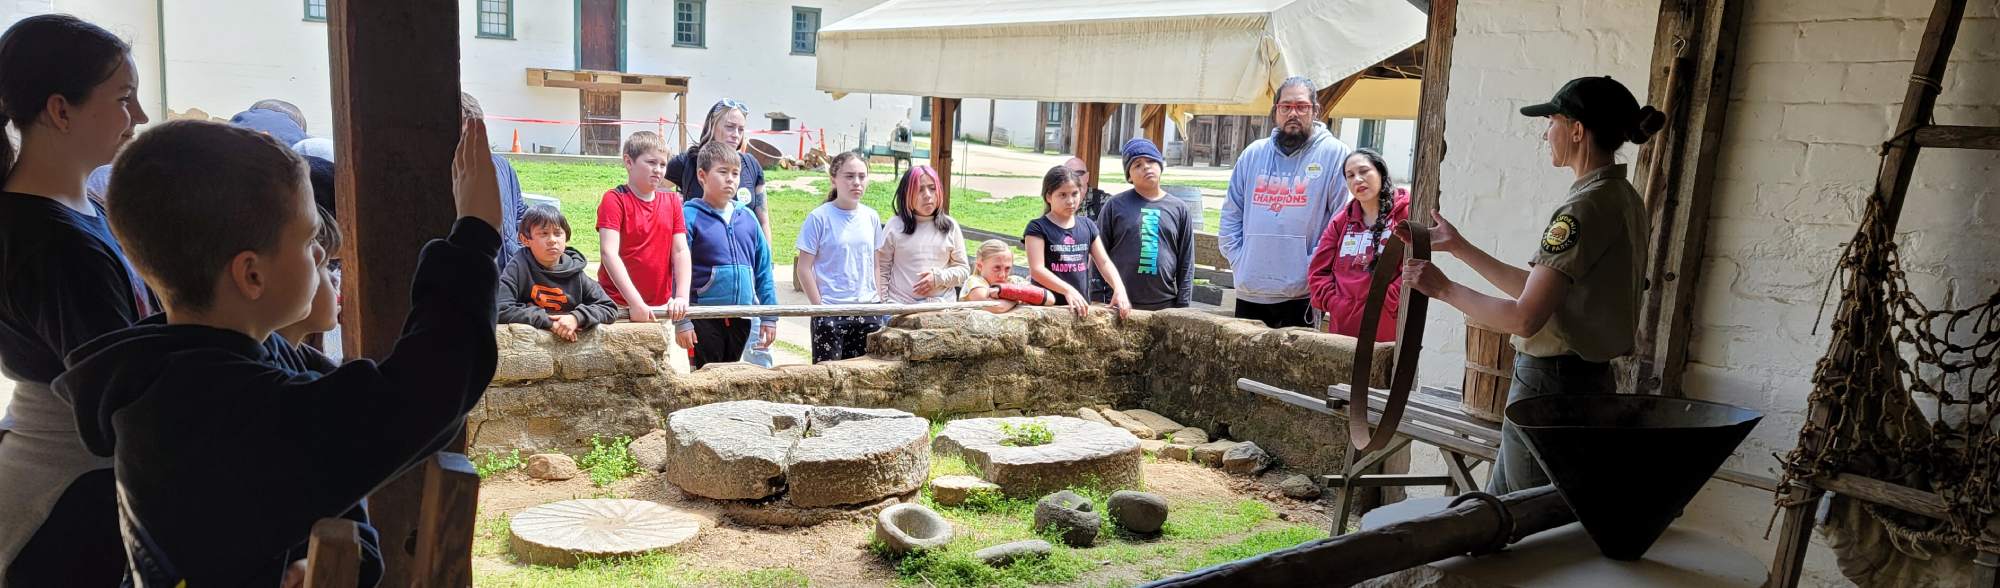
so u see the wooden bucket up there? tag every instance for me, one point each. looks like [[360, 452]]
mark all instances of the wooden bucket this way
[[1489, 370]]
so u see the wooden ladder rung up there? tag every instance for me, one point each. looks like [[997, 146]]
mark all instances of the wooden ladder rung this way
[[1958, 137]]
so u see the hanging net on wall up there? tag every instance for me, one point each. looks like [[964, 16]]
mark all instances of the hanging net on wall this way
[[1910, 393]]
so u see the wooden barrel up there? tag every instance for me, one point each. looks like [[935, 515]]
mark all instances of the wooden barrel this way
[[1489, 370]]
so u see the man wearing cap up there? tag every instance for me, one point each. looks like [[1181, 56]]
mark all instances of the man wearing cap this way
[[1576, 306], [1149, 235], [1284, 190]]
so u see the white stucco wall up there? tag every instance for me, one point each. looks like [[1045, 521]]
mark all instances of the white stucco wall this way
[[1817, 88], [223, 55], [1399, 144]]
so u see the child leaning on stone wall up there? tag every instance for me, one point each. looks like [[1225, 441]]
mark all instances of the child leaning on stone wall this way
[[993, 279], [545, 285]]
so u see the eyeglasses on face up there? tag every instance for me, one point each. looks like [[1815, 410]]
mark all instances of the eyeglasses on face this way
[[1295, 107]]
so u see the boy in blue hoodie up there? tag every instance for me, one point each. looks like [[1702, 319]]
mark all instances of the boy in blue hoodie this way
[[731, 261], [165, 400], [1284, 190]]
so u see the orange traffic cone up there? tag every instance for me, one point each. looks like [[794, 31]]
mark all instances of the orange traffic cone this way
[[517, 141]]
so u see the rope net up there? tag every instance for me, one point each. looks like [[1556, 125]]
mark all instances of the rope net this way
[[1892, 356]]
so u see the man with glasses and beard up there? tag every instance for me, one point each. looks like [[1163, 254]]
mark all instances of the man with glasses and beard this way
[[1281, 194]]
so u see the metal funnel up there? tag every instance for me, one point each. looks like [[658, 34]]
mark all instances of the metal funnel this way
[[1628, 463]]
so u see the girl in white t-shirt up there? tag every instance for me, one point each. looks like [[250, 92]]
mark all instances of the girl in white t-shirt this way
[[836, 261]]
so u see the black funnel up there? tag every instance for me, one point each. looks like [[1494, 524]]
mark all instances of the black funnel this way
[[1628, 463]]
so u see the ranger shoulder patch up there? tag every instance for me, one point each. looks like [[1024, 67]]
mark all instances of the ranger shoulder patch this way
[[1561, 234]]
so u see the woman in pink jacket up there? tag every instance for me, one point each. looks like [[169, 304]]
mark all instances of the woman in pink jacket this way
[[1341, 266]]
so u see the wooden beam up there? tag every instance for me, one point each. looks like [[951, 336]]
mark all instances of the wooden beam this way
[[681, 100], [394, 75], [1041, 125], [944, 115], [1958, 137], [1438, 36], [1694, 61], [1332, 95], [1875, 491], [333, 554], [450, 507], [1089, 144], [1355, 557], [1154, 118]]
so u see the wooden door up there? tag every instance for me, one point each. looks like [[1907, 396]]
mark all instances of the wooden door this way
[[600, 106], [598, 35]]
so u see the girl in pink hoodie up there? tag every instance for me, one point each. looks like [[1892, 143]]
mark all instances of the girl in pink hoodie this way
[[1341, 266]]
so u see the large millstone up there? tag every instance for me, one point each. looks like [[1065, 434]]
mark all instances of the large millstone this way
[[1082, 453], [815, 456], [565, 533]]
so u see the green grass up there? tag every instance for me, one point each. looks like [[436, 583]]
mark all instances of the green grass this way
[[495, 463], [1258, 543], [1029, 434], [1209, 520], [609, 461]]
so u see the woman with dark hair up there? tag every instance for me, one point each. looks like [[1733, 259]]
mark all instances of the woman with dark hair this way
[[1343, 265], [71, 92], [1577, 308], [922, 257]]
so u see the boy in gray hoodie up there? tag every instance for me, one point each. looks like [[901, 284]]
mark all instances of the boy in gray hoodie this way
[[1283, 191], [545, 285]]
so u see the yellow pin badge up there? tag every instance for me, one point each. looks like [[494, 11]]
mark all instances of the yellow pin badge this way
[[1561, 234]]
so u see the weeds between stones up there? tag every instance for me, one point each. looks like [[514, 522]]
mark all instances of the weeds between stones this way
[[496, 463], [1028, 434], [609, 462]]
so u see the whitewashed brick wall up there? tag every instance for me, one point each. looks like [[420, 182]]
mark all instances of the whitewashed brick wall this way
[[1817, 90]]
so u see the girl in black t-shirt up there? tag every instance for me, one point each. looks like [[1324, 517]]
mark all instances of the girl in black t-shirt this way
[[1062, 246]]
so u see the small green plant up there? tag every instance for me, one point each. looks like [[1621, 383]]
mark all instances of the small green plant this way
[[609, 461], [496, 463], [1028, 434]]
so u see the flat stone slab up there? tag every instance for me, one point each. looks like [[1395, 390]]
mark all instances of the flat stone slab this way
[[954, 490], [1083, 453], [565, 533], [1006, 553], [1156, 421], [816, 456], [1123, 421]]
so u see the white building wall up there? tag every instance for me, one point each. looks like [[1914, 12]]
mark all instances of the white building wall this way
[[1817, 88], [222, 55], [1399, 145]]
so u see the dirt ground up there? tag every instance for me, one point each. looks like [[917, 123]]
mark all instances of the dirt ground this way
[[836, 553]]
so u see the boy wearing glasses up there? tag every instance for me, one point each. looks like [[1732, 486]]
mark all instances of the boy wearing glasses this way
[[1281, 194]]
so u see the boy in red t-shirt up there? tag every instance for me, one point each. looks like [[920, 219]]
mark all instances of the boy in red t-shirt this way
[[643, 235]]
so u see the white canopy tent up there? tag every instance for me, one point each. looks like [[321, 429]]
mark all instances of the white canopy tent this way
[[1222, 52]]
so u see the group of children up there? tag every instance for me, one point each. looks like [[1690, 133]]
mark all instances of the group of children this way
[[155, 336]]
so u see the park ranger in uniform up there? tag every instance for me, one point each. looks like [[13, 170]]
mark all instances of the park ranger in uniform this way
[[1577, 308]]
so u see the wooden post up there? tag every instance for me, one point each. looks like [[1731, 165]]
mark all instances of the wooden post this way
[[450, 501], [333, 554], [682, 98], [1154, 118], [1430, 109], [1089, 146], [944, 111], [1331, 95], [396, 122], [1041, 125], [992, 116], [1694, 59]]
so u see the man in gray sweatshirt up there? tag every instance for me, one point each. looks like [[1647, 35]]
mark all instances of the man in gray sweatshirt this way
[[1283, 191]]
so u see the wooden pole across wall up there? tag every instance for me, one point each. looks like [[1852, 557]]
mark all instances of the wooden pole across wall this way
[[396, 119]]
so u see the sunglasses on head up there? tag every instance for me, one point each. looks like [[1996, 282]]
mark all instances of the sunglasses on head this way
[[732, 103]]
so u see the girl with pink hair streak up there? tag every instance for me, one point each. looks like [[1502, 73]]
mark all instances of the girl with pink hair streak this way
[[922, 255]]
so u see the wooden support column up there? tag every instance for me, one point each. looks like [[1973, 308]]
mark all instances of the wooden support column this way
[[944, 115], [396, 123], [682, 98], [1153, 117], [1041, 126], [1430, 109], [1089, 145], [1694, 61]]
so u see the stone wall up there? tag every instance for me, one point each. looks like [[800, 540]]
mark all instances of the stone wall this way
[[551, 395]]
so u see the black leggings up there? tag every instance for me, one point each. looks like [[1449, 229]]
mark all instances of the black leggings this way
[[842, 337], [78, 544], [719, 341], [1278, 315]]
